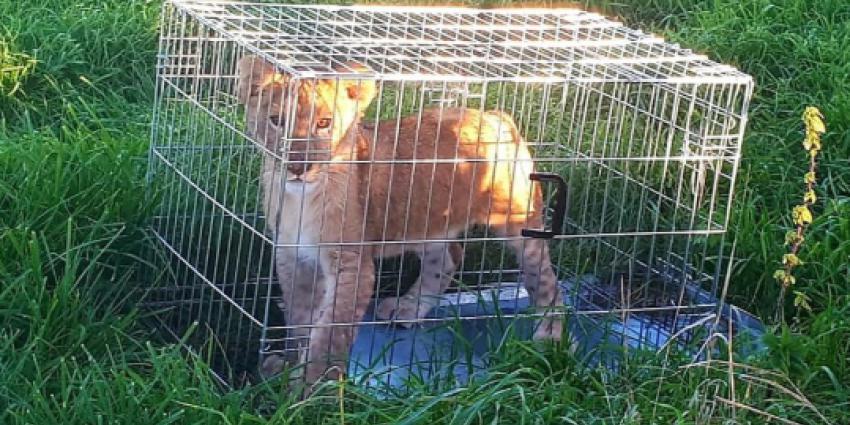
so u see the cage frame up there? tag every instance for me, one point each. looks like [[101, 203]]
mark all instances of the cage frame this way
[[452, 86]]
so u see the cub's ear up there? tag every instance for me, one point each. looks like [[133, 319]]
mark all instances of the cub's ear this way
[[361, 91], [255, 74]]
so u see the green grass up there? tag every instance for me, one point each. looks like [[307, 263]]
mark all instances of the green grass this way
[[76, 85]]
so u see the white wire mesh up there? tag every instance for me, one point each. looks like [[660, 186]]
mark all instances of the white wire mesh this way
[[646, 135], [456, 44]]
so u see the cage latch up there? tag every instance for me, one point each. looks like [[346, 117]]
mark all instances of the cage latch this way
[[559, 205]]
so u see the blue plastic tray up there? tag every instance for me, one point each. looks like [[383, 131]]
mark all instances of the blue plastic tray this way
[[456, 348]]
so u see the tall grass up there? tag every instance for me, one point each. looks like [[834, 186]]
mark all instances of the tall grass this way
[[76, 80], [799, 53]]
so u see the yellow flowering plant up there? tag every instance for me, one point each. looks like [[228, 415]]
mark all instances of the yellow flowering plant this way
[[802, 213]]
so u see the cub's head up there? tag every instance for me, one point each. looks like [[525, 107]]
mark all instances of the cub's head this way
[[312, 115]]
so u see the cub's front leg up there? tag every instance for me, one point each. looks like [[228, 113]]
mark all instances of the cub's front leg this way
[[348, 278], [297, 273], [350, 284]]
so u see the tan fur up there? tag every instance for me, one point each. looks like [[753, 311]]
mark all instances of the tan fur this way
[[477, 174]]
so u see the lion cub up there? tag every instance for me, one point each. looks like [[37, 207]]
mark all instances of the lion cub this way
[[337, 194]]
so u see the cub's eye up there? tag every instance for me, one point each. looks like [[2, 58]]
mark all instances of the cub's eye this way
[[323, 123], [275, 120]]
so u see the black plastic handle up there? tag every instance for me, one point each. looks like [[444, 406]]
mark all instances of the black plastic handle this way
[[560, 207]]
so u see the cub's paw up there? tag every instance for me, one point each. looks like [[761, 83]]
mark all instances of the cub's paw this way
[[549, 329], [272, 365], [407, 307]]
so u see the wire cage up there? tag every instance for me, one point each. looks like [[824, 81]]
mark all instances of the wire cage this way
[[388, 191]]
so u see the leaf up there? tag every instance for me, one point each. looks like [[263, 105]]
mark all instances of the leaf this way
[[789, 280], [810, 197], [791, 260], [801, 300], [813, 119], [792, 238], [810, 177], [812, 141], [802, 216]]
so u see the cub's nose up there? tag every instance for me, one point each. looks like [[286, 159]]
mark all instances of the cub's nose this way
[[299, 168]]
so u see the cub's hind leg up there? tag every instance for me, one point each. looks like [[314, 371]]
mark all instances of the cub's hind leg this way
[[539, 277], [438, 263]]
